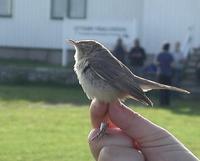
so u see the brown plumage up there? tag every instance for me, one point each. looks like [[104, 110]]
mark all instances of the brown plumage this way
[[105, 78]]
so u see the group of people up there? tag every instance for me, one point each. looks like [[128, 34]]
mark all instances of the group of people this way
[[135, 58], [167, 67]]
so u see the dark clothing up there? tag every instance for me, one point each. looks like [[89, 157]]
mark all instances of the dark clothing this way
[[137, 56], [164, 94], [165, 72], [152, 69], [119, 53], [165, 60], [150, 72]]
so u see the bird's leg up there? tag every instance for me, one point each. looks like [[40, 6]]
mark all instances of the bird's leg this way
[[101, 132]]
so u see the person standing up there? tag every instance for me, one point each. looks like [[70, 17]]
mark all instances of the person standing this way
[[178, 64], [137, 57], [119, 51], [165, 72]]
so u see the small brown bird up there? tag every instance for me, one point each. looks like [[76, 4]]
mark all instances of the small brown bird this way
[[104, 77]]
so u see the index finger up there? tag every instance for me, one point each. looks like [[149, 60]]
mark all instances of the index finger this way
[[133, 124]]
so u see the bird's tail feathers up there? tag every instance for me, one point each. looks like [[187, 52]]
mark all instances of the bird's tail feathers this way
[[148, 85], [162, 86]]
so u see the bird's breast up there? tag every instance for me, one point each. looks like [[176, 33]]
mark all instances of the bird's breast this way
[[93, 85]]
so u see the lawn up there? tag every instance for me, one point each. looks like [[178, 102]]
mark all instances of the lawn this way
[[52, 123]]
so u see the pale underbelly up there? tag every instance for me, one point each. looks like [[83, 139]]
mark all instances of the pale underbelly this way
[[99, 89]]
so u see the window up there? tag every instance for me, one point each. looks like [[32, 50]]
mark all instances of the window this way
[[71, 8], [77, 9], [58, 9], [5, 8]]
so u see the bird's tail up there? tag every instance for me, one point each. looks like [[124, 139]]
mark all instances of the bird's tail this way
[[148, 85]]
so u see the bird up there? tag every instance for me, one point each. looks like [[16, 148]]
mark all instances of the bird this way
[[105, 78]]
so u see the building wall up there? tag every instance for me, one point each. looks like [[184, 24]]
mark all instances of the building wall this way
[[115, 10], [31, 26], [169, 21], [108, 14], [156, 21], [118, 11]]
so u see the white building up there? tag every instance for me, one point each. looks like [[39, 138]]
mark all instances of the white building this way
[[36, 29]]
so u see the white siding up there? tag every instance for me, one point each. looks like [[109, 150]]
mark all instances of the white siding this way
[[109, 13], [126, 14], [31, 26], [155, 21], [115, 10], [169, 21]]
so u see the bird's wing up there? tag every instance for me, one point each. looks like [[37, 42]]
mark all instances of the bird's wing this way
[[108, 68]]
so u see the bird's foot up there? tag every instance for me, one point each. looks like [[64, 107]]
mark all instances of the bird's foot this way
[[101, 132]]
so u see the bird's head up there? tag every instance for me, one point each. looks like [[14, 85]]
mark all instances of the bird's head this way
[[85, 48]]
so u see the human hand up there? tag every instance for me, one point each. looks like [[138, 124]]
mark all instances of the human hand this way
[[131, 137]]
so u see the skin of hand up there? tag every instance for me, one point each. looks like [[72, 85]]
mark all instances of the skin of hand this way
[[131, 137]]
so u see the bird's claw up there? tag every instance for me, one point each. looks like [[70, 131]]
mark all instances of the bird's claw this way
[[101, 132]]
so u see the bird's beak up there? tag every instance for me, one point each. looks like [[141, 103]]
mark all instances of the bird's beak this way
[[72, 42]]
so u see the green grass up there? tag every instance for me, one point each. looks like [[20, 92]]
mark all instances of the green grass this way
[[52, 123]]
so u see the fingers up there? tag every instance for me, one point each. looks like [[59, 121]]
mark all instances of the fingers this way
[[155, 142], [113, 153], [133, 124], [114, 137], [115, 145], [129, 121]]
